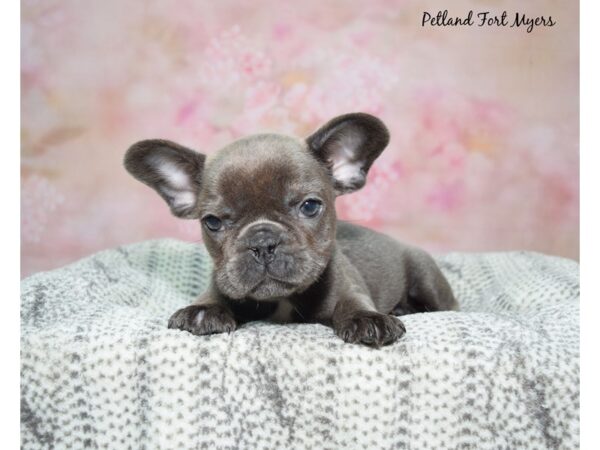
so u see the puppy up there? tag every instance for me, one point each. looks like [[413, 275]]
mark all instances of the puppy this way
[[266, 207]]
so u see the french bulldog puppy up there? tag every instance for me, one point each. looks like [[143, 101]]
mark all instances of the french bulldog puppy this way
[[267, 213]]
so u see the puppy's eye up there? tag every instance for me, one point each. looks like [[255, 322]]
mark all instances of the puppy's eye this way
[[310, 207], [213, 223]]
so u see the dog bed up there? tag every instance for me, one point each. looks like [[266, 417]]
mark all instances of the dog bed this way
[[100, 369]]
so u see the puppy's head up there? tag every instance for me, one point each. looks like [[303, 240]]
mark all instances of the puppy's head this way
[[265, 202]]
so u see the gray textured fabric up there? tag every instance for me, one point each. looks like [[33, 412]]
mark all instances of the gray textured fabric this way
[[101, 370]]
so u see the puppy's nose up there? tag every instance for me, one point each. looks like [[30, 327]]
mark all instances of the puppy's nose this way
[[262, 243]]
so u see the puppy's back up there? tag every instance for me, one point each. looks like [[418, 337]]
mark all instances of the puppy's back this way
[[398, 276]]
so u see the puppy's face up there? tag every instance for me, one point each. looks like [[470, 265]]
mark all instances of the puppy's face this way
[[268, 218], [265, 202]]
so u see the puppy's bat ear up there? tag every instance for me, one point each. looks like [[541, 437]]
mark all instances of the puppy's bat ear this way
[[170, 169], [348, 145]]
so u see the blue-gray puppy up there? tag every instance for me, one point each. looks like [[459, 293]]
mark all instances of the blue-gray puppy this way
[[266, 204]]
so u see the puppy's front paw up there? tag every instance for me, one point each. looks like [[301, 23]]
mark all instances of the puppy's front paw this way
[[370, 328], [201, 320]]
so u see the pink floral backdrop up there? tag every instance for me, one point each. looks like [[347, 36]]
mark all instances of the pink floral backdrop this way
[[484, 121]]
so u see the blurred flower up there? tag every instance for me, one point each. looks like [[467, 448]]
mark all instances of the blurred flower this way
[[477, 158], [40, 202]]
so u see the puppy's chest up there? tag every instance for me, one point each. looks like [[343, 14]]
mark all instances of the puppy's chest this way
[[284, 313], [280, 311]]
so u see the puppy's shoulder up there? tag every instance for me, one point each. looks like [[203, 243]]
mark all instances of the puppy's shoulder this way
[[351, 233], [355, 237]]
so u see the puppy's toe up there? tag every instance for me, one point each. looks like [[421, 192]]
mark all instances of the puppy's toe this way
[[369, 331], [216, 319], [371, 328], [183, 319], [201, 320], [347, 331], [393, 329]]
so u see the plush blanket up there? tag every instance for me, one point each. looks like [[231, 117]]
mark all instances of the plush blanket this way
[[100, 369]]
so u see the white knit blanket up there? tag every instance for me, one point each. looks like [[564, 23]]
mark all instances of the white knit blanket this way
[[100, 369]]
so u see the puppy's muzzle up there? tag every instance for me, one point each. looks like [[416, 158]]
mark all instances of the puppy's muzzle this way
[[262, 241]]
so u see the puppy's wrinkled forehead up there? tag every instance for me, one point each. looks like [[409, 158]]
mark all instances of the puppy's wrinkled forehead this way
[[262, 170]]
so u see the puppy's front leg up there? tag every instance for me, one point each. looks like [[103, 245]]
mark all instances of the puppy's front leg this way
[[355, 320], [206, 316]]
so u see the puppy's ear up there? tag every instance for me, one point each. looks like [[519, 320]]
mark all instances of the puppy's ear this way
[[170, 169], [348, 145]]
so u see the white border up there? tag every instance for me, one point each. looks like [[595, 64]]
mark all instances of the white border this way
[[9, 234], [590, 223]]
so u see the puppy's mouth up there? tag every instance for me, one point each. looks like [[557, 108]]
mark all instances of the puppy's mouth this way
[[271, 286], [290, 272], [272, 278]]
